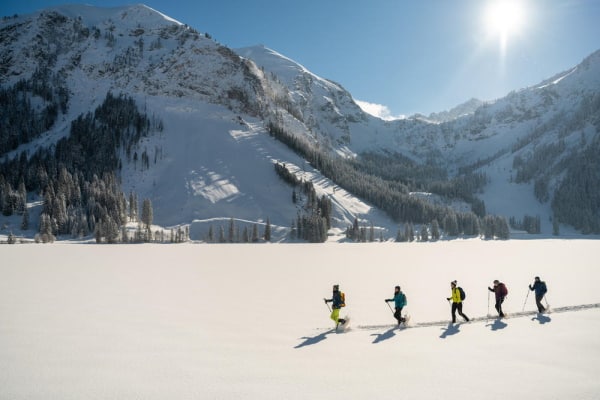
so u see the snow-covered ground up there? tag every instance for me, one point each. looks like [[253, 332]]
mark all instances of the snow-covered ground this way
[[248, 322]]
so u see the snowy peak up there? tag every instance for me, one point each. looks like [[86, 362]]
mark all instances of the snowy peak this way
[[133, 15], [134, 49], [323, 106], [463, 109], [287, 70]]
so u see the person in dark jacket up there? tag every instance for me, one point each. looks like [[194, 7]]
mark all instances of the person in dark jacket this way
[[500, 291], [399, 300], [456, 302], [540, 289], [336, 303]]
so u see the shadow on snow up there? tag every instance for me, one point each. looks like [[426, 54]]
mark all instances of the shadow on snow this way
[[542, 319], [312, 340], [380, 337], [451, 329], [497, 325]]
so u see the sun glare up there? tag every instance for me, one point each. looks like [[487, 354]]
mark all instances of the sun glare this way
[[505, 17], [503, 20]]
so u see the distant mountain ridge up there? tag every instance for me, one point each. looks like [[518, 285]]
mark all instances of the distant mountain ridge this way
[[214, 107]]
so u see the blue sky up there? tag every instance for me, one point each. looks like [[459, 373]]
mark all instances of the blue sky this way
[[408, 56]]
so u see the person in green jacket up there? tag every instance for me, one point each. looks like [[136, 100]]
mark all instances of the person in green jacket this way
[[399, 300], [456, 302]]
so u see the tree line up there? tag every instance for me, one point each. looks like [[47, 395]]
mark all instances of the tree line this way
[[392, 195], [78, 177], [30, 107], [314, 215]]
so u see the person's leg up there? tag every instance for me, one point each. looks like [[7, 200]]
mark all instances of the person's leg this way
[[335, 315], [461, 313], [454, 307], [499, 308], [397, 315], [538, 302]]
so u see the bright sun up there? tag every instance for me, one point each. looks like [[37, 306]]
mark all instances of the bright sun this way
[[505, 17]]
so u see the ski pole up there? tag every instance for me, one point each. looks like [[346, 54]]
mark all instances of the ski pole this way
[[329, 308], [389, 307], [488, 313], [526, 297], [546, 300]]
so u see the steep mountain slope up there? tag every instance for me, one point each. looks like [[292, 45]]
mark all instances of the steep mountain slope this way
[[208, 157], [212, 159], [524, 142]]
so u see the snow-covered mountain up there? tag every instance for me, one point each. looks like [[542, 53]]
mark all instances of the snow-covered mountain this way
[[525, 142], [213, 159], [466, 108]]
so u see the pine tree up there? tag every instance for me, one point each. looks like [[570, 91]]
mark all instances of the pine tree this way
[[435, 230], [267, 234], [230, 233], [221, 234], [25, 220], [147, 213], [399, 236], [424, 235], [132, 206], [411, 233]]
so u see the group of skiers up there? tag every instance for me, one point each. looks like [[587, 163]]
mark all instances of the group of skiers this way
[[456, 298]]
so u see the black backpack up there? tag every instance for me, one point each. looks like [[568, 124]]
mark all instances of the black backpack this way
[[462, 294]]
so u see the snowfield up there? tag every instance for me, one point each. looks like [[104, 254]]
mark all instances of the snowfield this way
[[248, 321]]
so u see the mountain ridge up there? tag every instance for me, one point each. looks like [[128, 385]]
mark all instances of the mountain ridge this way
[[218, 101]]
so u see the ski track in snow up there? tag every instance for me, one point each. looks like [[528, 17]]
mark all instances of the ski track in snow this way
[[427, 324]]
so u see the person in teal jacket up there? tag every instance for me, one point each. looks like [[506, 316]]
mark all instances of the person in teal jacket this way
[[399, 300]]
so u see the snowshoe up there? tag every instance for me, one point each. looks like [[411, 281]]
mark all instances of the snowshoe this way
[[343, 324]]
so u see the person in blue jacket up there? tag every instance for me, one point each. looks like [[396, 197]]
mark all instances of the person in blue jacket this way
[[540, 289], [399, 300]]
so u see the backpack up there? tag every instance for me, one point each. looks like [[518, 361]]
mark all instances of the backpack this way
[[342, 299], [404, 298], [543, 287], [462, 294], [503, 290]]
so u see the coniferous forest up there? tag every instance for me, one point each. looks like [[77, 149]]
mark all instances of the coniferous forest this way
[[78, 178], [387, 182]]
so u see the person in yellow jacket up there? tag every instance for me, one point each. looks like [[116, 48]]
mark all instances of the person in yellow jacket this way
[[456, 302]]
